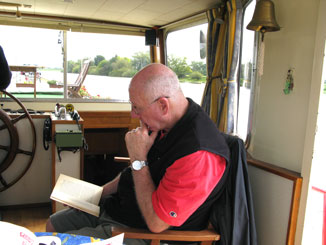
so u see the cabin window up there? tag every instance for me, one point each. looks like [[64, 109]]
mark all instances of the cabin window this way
[[98, 66], [246, 74], [183, 50], [184, 58], [31, 47], [114, 59]]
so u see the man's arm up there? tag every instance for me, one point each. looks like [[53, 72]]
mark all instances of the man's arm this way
[[138, 143], [110, 187], [144, 189]]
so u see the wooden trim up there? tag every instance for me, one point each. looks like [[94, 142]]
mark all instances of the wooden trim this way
[[122, 159], [108, 119], [172, 235], [153, 54], [56, 86], [296, 194], [161, 46], [23, 68], [25, 85], [296, 191], [283, 172]]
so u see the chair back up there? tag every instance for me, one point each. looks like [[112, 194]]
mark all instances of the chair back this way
[[232, 214], [81, 77]]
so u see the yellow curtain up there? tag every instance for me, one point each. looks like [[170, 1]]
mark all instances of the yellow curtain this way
[[223, 45], [214, 88]]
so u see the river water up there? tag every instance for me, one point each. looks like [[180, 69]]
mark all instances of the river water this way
[[103, 87], [117, 88]]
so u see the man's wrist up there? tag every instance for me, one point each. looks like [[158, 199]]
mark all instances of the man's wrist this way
[[137, 165]]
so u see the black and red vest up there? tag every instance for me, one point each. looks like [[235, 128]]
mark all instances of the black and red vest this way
[[195, 131]]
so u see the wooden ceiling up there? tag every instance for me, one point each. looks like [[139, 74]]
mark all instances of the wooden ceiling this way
[[147, 13]]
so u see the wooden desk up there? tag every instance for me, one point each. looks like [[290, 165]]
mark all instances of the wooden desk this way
[[27, 69]]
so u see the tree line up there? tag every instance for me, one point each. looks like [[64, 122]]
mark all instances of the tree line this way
[[124, 67]]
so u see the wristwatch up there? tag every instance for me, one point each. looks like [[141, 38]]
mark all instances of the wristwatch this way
[[138, 165]]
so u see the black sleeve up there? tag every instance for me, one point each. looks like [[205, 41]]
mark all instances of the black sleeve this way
[[5, 73]]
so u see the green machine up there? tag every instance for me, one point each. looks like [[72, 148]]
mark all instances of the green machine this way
[[69, 138]]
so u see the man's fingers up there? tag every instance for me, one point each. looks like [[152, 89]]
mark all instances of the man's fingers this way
[[153, 135], [144, 130]]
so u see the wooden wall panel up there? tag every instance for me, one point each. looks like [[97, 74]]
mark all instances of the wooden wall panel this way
[[108, 119]]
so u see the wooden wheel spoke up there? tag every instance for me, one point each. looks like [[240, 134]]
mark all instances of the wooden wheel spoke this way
[[4, 126], [4, 147], [25, 152], [15, 120], [2, 180]]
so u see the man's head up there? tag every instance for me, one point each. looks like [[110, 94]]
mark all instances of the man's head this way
[[156, 97]]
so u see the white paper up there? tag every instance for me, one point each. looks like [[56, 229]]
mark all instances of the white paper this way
[[18, 235]]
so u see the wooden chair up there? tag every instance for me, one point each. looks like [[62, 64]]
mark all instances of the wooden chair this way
[[206, 236], [74, 88]]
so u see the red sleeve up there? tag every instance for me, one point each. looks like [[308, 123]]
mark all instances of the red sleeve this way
[[186, 185]]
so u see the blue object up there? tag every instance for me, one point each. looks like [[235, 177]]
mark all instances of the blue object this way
[[69, 239]]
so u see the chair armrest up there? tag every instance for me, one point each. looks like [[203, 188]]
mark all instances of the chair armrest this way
[[169, 235]]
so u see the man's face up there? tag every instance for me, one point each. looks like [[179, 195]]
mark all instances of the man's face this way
[[148, 112]]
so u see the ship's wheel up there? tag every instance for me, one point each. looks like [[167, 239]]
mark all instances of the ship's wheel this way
[[10, 145]]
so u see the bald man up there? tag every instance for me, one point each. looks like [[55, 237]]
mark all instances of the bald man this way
[[177, 157]]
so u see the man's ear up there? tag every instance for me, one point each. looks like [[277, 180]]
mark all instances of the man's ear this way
[[164, 105]]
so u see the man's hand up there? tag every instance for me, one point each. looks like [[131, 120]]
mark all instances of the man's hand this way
[[139, 142]]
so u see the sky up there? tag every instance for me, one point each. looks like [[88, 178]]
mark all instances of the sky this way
[[29, 46], [34, 46], [40, 47], [185, 43]]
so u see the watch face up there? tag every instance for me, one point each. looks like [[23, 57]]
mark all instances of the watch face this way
[[138, 165]]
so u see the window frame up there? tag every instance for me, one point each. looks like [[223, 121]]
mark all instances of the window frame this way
[[195, 20], [201, 19], [247, 140], [183, 24], [83, 28]]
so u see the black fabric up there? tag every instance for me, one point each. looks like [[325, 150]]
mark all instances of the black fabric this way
[[5, 73], [232, 215], [195, 131]]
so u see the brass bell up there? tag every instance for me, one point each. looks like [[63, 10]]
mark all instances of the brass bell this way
[[263, 19]]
